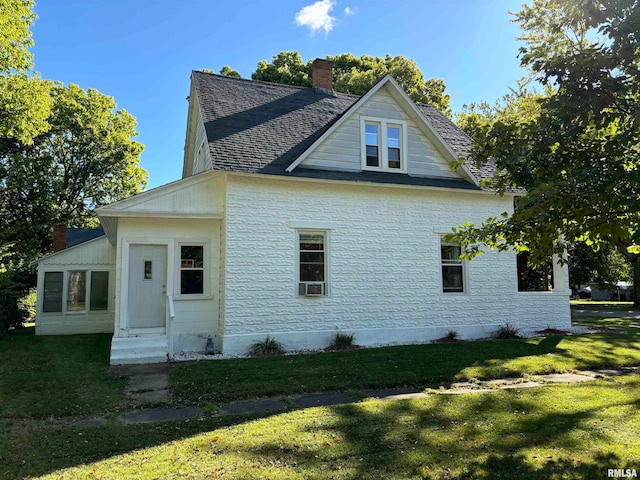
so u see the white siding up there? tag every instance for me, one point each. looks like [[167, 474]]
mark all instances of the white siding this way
[[342, 150], [203, 197], [96, 254], [195, 318], [384, 263], [202, 157]]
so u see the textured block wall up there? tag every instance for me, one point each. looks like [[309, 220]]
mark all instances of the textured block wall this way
[[384, 266]]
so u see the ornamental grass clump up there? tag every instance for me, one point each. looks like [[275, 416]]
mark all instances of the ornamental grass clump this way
[[342, 341], [507, 331], [269, 347]]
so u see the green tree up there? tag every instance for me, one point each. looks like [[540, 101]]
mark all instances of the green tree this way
[[356, 75], [478, 119], [579, 159], [230, 72], [88, 158], [285, 68], [24, 103]]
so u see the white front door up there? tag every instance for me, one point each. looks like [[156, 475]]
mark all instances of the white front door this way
[[147, 286]]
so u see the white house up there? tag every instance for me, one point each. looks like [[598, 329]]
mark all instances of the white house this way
[[301, 212]]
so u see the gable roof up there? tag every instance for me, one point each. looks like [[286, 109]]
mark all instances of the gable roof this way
[[239, 114]]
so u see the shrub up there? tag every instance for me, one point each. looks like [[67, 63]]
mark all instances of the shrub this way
[[508, 331], [452, 336], [342, 341], [269, 347], [14, 286]]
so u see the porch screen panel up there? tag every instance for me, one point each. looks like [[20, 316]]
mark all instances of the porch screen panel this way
[[99, 299], [52, 301]]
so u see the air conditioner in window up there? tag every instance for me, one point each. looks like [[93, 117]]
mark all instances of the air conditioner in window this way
[[312, 289]]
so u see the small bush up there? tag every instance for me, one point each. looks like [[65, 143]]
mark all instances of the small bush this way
[[507, 331], [14, 287], [269, 347], [342, 341], [452, 336]]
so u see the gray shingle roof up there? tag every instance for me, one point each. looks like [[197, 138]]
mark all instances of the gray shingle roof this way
[[259, 127], [76, 236]]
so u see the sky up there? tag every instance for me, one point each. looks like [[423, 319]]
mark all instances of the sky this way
[[142, 52]]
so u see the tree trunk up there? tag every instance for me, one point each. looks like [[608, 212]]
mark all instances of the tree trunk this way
[[636, 281]]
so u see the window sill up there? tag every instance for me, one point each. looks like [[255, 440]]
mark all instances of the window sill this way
[[384, 170], [561, 293], [192, 296]]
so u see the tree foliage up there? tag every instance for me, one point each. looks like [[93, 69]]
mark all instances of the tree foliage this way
[[356, 75], [606, 266], [24, 103], [478, 119], [230, 72], [579, 159], [88, 158]]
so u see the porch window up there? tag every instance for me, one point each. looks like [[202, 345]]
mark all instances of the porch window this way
[[52, 299], [191, 269], [76, 290], [99, 296]]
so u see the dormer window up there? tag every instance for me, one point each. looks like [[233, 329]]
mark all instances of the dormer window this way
[[383, 144]]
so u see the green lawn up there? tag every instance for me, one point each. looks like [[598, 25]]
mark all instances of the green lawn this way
[[603, 305], [56, 375], [574, 431], [564, 431], [208, 383]]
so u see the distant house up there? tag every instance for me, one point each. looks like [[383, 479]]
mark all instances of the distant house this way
[[301, 212]]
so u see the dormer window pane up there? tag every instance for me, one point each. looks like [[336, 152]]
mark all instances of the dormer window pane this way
[[372, 138], [393, 145], [383, 144]]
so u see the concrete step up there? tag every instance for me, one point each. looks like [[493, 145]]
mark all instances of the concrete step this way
[[138, 350]]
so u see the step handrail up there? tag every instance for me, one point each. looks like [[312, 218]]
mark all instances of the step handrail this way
[[172, 310]]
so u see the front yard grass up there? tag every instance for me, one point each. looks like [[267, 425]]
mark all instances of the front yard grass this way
[[208, 383], [56, 375], [569, 431], [563, 431]]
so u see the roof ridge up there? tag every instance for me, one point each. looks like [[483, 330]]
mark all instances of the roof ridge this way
[[272, 84]]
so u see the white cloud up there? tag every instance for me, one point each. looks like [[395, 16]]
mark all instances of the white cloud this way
[[316, 16]]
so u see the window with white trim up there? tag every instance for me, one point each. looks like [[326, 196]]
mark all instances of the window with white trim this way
[[80, 285], [312, 263], [191, 269], [452, 267], [383, 144], [76, 291], [53, 290]]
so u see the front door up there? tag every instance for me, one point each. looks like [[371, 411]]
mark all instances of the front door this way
[[147, 286]]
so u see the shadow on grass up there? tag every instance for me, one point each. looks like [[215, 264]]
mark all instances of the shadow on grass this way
[[411, 366], [551, 432], [442, 439]]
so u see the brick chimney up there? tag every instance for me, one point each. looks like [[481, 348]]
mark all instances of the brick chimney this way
[[59, 237], [322, 75]]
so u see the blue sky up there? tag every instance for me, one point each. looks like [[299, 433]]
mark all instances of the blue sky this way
[[142, 52]]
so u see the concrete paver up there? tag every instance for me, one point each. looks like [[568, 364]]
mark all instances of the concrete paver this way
[[152, 396], [90, 422], [389, 393], [152, 415], [267, 405], [263, 405], [321, 399], [151, 381]]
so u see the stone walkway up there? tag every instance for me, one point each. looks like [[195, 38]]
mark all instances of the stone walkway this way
[[148, 384]]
